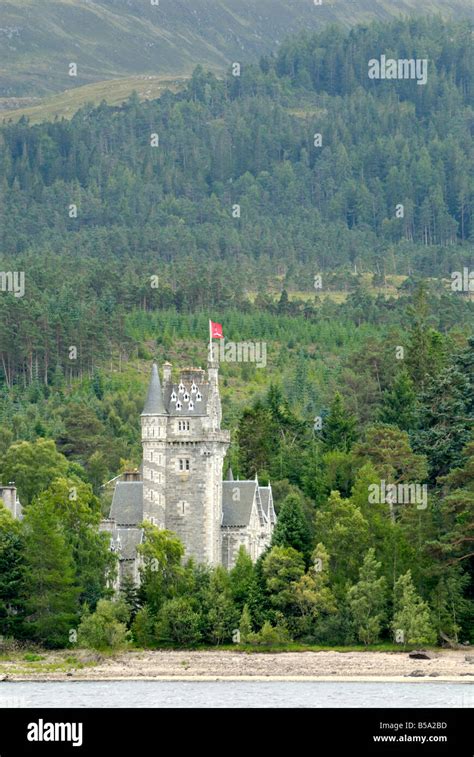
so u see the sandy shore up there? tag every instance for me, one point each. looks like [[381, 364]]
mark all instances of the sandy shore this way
[[446, 665]]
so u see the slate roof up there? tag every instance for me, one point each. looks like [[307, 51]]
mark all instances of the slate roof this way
[[154, 402], [267, 503], [130, 538], [200, 408], [127, 503], [237, 513]]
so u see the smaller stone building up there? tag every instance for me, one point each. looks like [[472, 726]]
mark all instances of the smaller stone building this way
[[9, 497]]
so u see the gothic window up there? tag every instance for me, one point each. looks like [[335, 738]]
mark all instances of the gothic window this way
[[184, 464]]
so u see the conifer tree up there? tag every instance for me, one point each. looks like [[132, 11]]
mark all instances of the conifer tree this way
[[241, 577], [367, 600], [339, 428], [50, 584], [245, 625], [399, 403], [292, 529]]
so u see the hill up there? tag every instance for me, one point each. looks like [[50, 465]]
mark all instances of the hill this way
[[111, 39]]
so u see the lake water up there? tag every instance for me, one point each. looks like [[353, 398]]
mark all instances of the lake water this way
[[228, 694]]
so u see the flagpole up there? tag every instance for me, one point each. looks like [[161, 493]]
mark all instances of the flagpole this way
[[210, 341]]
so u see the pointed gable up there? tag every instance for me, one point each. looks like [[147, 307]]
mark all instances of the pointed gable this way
[[238, 503]]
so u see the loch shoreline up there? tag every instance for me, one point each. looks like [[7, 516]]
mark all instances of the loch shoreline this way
[[211, 665]]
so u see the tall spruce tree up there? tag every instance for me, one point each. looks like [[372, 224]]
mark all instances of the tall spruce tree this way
[[339, 427], [292, 529]]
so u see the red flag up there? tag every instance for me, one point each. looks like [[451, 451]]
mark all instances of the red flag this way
[[215, 330]]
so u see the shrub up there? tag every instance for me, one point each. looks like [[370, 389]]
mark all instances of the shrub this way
[[269, 636], [106, 627], [179, 623]]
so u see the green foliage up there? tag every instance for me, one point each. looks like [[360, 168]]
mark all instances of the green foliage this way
[[78, 513], [32, 466], [399, 404], [106, 628], [11, 574], [292, 528], [367, 600], [143, 628], [241, 577], [411, 614], [220, 615], [344, 531], [179, 623], [339, 428], [51, 593], [245, 625], [161, 570], [269, 636], [304, 209]]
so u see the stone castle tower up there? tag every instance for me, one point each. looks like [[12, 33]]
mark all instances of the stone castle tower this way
[[180, 486], [183, 455]]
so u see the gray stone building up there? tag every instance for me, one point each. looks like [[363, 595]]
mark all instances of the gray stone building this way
[[9, 497], [180, 485]]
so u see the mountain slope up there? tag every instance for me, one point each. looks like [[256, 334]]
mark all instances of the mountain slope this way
[[119, 38]]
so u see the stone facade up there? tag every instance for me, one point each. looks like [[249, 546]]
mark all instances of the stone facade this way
[[9, 497], [180, 486]]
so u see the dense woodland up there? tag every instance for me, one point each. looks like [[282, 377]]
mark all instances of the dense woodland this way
[[388, 373]]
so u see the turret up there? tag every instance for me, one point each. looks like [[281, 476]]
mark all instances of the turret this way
[[154, 425]]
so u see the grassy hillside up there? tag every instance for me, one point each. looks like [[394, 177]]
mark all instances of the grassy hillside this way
[[114, 92], [111, 39]]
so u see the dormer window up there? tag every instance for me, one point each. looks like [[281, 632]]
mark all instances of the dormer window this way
[[181, 388], [194, 388], [198, 397], [191, 405], [174, 396], [186, 397], [178, 405]]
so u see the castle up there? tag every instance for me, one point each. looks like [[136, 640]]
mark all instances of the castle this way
[[180, 486]]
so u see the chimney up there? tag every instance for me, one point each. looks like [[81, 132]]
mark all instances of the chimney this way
[[131, 475], [167, 373]]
